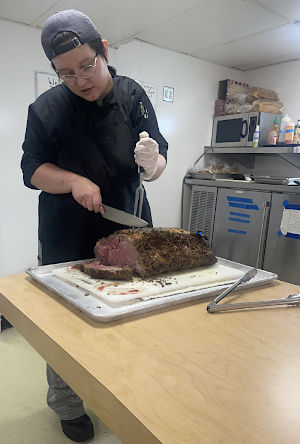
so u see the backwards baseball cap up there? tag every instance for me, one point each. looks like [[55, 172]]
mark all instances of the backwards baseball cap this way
[[69, 20]]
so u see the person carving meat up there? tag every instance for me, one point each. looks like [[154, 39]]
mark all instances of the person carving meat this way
[[84, 141]]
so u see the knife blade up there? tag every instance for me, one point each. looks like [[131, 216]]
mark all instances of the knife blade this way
[[121, 217]]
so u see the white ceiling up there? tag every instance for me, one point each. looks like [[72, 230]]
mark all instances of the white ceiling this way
[[242, 34]]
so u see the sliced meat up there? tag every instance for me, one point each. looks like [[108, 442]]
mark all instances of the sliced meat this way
[[97, 270], [152, 251]]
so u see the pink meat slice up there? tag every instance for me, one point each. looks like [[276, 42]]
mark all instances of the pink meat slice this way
[[99, 271], [117, 252]]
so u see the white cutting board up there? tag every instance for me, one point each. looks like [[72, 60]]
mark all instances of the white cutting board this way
[[118, 293]]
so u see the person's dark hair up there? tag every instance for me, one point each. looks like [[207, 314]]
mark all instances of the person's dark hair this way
[[67, 36]]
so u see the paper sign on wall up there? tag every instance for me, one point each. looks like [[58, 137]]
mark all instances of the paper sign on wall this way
[[290, 222], [151, 91], [44, 81]]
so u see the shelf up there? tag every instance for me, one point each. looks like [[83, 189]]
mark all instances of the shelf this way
[[250, 150], [243, 184]]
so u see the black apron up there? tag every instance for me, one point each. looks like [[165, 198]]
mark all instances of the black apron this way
[[101, 148]]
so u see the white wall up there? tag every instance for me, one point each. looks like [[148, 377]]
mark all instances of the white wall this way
[[186, 124], [283, 78], [20, 54]]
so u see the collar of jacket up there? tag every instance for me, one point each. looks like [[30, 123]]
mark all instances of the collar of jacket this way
[[112, 70]]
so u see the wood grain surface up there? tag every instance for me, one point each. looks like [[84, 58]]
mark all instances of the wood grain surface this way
[[177, 376]]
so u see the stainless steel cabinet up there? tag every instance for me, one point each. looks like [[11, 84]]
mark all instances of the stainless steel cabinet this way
[[202, 211], [244, 226], [240, 225], [282, 254]]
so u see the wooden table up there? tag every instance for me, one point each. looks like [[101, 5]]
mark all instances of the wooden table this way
[[178, 376]]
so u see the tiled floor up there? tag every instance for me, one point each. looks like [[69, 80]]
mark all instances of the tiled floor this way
[[25, 418]]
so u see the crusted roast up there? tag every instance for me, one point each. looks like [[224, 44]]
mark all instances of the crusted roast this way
[[152, 251], [99, 271]]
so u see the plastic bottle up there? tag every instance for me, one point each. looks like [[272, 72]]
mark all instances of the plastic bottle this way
[[256, 137], [273, 132], [297, 132], [289, 132], [283, 124]]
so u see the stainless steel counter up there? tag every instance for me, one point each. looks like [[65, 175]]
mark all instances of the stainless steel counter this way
[[250, 150], [243, 185]]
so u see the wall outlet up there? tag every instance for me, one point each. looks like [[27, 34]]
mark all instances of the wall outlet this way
[[168, 94]]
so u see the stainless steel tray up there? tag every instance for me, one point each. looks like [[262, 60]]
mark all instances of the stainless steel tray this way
[[289, 181], [217, 176], [99, 311]]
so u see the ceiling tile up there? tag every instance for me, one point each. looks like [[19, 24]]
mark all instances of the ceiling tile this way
[[211, 24], [24, 11], [121, 20], [241, 33], [288, 8], [263, 49], [108, 15]]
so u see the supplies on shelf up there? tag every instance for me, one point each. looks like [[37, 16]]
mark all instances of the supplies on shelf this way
[[219, 107], [256, 135], [267, 106], [237, 97], [231, 98], [215, 169], [287, 134], [273, 132], [255, 93], [228, 88], [236, 108], [236, 104], [283, 124], [297, 132], [264, 100]]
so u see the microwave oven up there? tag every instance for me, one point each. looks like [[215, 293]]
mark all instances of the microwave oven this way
[[238, 129]]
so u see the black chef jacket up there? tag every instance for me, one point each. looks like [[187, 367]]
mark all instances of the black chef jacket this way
[[96, 142]]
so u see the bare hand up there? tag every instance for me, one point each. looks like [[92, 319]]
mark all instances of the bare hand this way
[[87, 194]]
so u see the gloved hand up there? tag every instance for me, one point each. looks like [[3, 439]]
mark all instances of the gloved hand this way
[[146, 154]]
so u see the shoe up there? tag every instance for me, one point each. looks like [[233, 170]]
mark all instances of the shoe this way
[[79, 429]]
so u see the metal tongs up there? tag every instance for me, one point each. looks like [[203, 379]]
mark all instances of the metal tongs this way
[[292, 299], [139, 195]]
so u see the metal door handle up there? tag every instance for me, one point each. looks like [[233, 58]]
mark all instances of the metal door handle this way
[[262, 232], [244, 126]]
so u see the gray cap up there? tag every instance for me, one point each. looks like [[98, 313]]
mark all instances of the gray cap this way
[[68, 20]]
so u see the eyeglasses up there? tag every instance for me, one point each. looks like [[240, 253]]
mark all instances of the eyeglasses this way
[[86, 73]]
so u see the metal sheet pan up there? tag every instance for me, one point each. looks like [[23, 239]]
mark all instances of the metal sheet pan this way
[[118, 293], [100, 311]]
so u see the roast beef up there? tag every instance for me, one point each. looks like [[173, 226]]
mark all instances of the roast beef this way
[[152, 251], [99, 271]]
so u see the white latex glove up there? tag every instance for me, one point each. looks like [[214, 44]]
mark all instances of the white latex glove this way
[[146, 154]]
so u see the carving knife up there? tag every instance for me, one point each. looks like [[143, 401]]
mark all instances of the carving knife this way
[[123, 218]]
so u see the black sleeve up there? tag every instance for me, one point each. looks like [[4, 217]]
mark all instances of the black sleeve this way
[[37, 147], [144, 119]]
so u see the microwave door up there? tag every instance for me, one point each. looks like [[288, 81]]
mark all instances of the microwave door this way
[[230, 130]]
